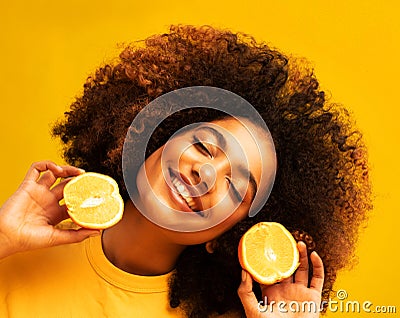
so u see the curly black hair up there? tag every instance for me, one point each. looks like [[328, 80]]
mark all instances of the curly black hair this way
[[322, 189]]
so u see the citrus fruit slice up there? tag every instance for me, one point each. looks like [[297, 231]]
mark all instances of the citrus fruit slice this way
[[93, 201], [268, 252]]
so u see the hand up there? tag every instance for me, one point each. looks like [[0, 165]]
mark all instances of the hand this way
[[292, 290], [28, 217]]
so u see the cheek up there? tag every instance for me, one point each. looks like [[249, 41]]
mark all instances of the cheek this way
[[175, 150], [153, 169], [240, 214]]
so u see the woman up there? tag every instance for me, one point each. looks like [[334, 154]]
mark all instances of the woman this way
[[321, 190]]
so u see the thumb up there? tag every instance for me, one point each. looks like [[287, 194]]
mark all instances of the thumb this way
[[72, 236], [247, 297]]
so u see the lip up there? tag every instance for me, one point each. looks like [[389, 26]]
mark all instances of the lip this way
[[178, 199]]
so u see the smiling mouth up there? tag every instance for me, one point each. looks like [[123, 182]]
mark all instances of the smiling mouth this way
[[194, 204]]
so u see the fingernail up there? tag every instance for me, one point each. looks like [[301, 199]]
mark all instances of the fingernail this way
[[244, 275], [81, 170]]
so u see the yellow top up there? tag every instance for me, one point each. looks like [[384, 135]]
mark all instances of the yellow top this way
[[77, 280]]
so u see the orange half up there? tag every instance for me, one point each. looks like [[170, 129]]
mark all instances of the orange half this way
[[93, 201], [268, 252]]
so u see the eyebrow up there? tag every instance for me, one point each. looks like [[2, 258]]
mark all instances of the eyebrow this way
[[220, 138], [242, 169]]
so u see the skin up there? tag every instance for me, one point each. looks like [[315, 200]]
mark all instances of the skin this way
[[28, 217], [27, 222], [292, 289], [136, 235]]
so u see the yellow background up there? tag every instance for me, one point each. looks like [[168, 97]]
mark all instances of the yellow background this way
[[48, 48]]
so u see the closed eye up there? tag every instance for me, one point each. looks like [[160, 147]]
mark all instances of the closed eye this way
[[235, 192], [201, 147]]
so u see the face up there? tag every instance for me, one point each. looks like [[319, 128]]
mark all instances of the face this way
[[206, 178]]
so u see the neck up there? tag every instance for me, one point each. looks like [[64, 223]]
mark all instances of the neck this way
[[138, 246]]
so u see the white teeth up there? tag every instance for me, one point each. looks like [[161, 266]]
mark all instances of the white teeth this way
[[183, 192]]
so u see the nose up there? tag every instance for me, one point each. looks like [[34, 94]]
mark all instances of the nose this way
[[207, 175]]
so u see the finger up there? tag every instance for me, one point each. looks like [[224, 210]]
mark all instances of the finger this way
[[301, 276], [288, 280], [47, 179], [41, 166], [71, 236], [246, 295], [58, 171], [61, 215], [70, 171], [58, 190], [317, 280]]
